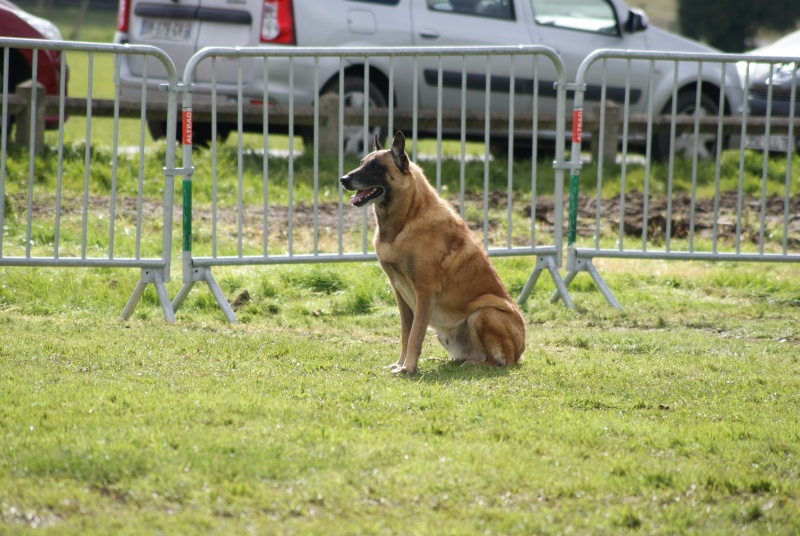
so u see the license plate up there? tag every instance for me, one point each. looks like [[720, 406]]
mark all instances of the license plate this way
[[166, 30], [775, 143]]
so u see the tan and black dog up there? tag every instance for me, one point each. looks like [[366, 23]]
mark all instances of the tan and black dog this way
[[439, 270]]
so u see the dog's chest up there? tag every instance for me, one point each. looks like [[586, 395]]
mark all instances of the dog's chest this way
[[401, 279]]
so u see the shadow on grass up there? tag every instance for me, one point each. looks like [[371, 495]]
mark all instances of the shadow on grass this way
[[442, 370]]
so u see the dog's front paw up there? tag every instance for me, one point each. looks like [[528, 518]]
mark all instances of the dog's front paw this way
[[404, 370]]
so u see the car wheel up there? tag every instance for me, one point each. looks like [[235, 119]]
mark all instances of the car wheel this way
[[353, 135], [686, 143]]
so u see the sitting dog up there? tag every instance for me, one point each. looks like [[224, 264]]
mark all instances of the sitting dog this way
[[439, 270]]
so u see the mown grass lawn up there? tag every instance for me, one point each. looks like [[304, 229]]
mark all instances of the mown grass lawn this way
[[678, 414]]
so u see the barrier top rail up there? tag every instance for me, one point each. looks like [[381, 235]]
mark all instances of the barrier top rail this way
[[46, 44], [331, 52], [609, 53]]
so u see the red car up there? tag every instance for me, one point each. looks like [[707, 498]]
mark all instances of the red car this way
[[15, 22]]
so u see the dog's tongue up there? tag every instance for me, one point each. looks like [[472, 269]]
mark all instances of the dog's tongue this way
[[359, 195]]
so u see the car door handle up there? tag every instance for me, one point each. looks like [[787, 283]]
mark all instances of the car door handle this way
[[429, 34]]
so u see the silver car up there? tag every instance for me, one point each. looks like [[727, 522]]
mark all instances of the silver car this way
[[574, 28]]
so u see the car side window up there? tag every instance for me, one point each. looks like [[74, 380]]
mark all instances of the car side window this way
[[386, 2], [595, 16], [495, 9]]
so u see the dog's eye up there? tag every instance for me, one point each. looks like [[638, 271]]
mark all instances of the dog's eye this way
[[375, 164]]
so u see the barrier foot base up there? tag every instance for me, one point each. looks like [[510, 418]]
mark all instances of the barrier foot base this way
[[545, 263], [585, 265], [612, 301], [154, 277], [177, 301], [203, 274]]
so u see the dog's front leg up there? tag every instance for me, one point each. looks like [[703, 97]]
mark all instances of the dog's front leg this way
[[406, 319], [419, 326]]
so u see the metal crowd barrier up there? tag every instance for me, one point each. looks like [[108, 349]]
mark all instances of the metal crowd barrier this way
[[305, 219], [110, 232], [666, 220], [261, 228]]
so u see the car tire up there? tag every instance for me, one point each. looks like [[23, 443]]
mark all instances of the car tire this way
[[353, 142], [685, 143]]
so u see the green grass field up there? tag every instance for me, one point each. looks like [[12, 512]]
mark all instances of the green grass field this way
[[679, 414]]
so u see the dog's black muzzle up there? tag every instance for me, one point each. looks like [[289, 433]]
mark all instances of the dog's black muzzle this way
[[364, 193]]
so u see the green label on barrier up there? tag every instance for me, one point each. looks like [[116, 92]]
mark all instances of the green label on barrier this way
[[187, 215], [573, 210]]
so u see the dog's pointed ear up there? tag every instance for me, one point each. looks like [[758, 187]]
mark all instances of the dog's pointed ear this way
[[399, 152], [376, 144]]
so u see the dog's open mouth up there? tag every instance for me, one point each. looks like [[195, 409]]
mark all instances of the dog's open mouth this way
[[362, 197]]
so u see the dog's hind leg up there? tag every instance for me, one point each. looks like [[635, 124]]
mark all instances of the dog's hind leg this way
[[497, 335]]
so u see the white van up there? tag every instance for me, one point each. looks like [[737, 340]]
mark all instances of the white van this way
[[574, 28]]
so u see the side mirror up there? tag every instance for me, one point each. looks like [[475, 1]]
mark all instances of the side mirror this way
[[637, 21]]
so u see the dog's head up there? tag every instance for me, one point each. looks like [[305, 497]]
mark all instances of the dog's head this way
[[381, 172]]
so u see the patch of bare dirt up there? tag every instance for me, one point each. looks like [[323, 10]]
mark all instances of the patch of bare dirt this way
[[706, 211], [331, 216]]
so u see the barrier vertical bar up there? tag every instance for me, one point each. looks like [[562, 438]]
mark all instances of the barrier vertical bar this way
[[214, 173], [265, 159], [62, 93], [31, 153], [695, 153], [535, 151], [671, 175], [3, 149], [624, 170], [765, 161], [114, 162], [648, 152], [140, 175], [367, 148], [87, 155], [239, 160], [315, 228], [462, 166], [601, 155], [486, 145], [510, 160], [291, 157], [792, 142], [439, 75]]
